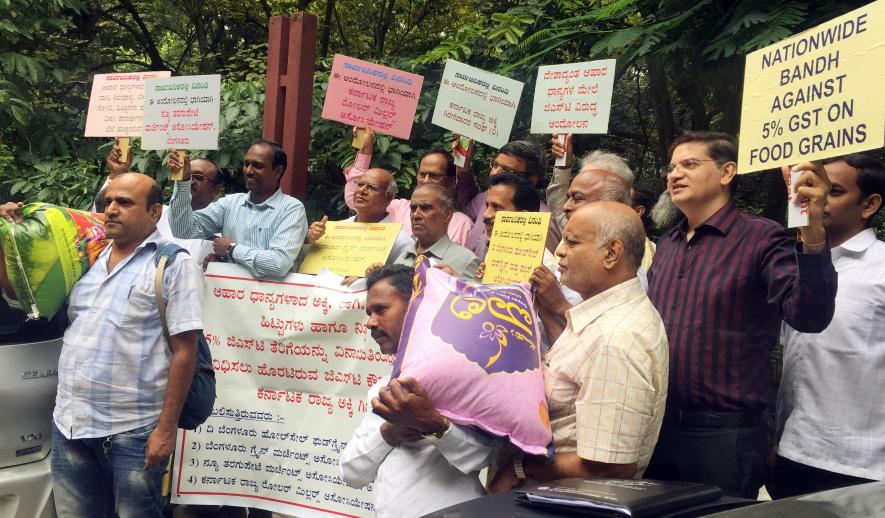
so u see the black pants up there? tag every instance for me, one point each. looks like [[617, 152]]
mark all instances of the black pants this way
[[790, 478], [732, 458]]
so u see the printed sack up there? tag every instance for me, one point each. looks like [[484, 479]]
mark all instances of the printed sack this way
[[475, 350], [48, 252]]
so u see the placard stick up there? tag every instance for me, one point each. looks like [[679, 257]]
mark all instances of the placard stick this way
[[123, 144], [177, 174], [560, 162], [359, 138]]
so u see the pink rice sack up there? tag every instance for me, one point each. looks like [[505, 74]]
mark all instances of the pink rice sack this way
[[475, 350]]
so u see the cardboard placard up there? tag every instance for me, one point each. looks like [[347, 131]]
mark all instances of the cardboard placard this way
[[362, 94], [574, 97], [116, 104], [477, 104], [817, 94], [348, 248], [182, 112], [516, 247]]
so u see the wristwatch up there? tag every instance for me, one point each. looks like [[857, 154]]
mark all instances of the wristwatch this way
[[518, 468], [230, 250], [439, 433]]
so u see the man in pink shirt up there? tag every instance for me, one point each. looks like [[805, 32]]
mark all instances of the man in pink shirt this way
[[435, 167]]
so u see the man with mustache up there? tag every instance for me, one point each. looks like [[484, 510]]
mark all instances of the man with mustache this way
[[431, 210], [262, 229], [121, 382], [417, 459]]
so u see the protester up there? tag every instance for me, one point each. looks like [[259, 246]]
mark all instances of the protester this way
[[830, 421], [262, 230], [723, 280], [121, 383], [643, 201], [606, 375], [665, 215], [417, 459], [431, 211], [435, 167], [374, 192], [520, 157]]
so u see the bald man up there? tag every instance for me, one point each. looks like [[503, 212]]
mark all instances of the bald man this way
[[606, 375], [372, 194], [121, 383]]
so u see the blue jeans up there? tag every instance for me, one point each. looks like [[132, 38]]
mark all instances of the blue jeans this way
[[103, 476]]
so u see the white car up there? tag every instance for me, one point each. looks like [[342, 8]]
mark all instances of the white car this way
[[28, 379]]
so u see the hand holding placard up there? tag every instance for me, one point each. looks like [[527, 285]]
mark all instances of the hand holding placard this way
[[811, 188], [561, 148], [179, 165], [462, 151]]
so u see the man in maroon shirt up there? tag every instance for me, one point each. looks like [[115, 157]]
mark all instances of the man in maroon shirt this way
[[723, 281]]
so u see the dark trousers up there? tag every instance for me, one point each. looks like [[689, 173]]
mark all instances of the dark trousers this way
[[732, 458], [790, 478]]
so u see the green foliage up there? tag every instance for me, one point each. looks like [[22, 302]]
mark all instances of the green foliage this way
[[65, 182]]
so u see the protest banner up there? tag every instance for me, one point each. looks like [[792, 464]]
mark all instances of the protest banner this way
[[477, 104], [294, 361], [348, 248], [363, 94], [116, 104], [516, 246], [574, 97], [182, 112], [816, 94]]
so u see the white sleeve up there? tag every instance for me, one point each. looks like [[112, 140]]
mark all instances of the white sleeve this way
[[360, 460], [467, 449]]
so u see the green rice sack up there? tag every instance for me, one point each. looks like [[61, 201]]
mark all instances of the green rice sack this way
[[48, 252]]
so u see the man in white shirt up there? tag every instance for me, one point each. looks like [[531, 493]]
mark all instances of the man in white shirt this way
[[830, 420], [418, 460]]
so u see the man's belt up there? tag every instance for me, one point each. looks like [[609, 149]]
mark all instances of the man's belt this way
[[704, 419]]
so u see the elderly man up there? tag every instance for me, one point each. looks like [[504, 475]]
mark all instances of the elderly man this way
[[830, 420], [374, 192], [435, 167], [121, 382], [262, 229], [418, 460], [432, 207], [520, 157], [723, 281], [606, 375]]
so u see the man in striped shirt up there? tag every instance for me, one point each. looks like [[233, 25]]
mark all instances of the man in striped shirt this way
[[722, 281], [261, 229]]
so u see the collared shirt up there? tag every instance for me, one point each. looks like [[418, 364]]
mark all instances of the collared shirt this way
[[829, 414], [399, 209], [722, 296], [445, 251], [114, 361], [415, 478], [268, 235], [606, 378]]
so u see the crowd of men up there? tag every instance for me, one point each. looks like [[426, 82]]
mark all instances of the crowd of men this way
[[657, 358]]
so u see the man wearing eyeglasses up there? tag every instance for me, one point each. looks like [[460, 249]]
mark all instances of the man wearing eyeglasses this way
[[519, 157], [436, 167], [723, 281]]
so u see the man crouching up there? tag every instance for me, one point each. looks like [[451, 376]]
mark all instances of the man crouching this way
[[418, 460]]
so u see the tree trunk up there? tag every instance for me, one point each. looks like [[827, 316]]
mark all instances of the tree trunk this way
[[660, 99], [327, 28]]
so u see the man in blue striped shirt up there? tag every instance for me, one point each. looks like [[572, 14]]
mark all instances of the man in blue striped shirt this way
[[261, 229]]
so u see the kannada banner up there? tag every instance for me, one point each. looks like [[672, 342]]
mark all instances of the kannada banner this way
[[574, 97], [362, 94], [182, 112], [294, 361], [516, 247], [116, 104], [477, 104], [348, 248], [817, 94]]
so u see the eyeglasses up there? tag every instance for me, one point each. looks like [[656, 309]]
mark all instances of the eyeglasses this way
[[433, 177], [495, 165], [371, 187], [686, 165]]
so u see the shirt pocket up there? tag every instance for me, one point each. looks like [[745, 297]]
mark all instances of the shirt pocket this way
[[139, 324]]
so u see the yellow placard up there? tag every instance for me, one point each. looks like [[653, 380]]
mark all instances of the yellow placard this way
[[348, 248], [516, 247], [817, 94]]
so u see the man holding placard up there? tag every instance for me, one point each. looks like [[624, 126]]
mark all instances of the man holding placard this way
[[262, 229], [723, 281], [435, 167]]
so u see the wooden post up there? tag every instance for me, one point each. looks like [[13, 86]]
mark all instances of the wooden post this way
[[288, 101]]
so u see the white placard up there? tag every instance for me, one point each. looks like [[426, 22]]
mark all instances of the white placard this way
[[574, 97], [182, 112]]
